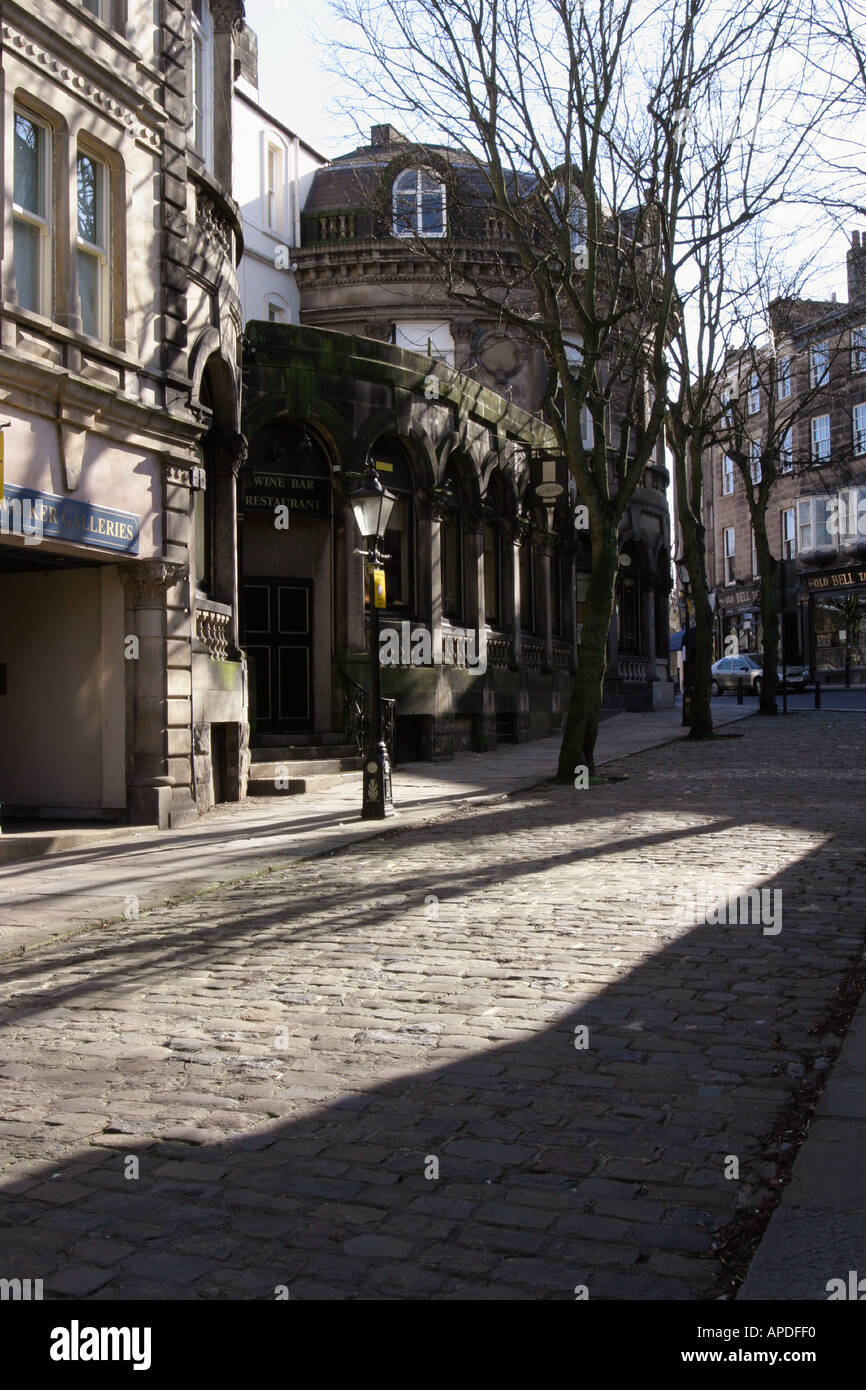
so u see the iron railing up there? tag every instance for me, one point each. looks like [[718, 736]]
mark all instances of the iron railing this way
[[356, 706]]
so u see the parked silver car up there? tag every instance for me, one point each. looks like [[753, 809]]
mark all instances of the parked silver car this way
[[728, 672]]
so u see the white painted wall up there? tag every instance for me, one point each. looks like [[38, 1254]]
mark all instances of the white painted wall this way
[[261, 282]]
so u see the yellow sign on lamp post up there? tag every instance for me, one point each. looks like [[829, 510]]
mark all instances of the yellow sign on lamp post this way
[[379, 588]]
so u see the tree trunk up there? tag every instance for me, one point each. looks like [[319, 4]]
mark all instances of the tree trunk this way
[[770, 620], [581, 721], [688, 476]]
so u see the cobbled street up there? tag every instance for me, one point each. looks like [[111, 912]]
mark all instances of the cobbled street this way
[[494, 1057]]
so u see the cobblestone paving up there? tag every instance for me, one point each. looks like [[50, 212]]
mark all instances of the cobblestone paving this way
[[288, 1063]]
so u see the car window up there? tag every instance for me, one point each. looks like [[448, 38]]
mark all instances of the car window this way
[[725, 664]]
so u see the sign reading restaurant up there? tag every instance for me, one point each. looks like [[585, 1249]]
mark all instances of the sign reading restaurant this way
[[839, 579], [64, 519], [263, 490]]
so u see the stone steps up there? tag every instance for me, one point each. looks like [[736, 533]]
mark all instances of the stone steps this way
[[301, 778]]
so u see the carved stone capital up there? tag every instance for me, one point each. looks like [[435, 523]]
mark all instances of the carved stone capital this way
[[227, 15], [543, 542], [147, 581], [227, 451], [520, 527], [474, 520]]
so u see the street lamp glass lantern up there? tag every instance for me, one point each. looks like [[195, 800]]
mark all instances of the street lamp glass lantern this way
[[372, 506]]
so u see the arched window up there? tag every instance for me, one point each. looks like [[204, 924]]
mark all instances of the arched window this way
[[527, 585], [395, 472], [419, 204], [451, 550], [493, 555]]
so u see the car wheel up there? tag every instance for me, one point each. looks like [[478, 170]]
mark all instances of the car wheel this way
[[757, 687], [715, 688]]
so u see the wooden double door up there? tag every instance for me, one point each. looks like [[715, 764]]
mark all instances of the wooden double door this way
[[278, 640]]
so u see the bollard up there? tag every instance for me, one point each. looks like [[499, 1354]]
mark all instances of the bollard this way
[[817, 694], [740, 691]]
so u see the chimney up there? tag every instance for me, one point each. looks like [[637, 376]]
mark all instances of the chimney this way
[[381, 136], [857, 267]]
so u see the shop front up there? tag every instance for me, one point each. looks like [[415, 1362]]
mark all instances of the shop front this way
[[837, 623], [738, 621]]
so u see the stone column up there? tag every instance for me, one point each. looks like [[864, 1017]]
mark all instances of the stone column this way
[[518, 530], [648, 623], [149, 786], [225, 454], [227, 17]]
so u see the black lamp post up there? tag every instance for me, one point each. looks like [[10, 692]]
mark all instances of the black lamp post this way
[[371, 506]]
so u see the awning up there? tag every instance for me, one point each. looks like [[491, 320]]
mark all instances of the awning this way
[[676, 640]]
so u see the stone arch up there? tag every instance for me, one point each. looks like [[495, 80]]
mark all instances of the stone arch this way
[[206, 356]]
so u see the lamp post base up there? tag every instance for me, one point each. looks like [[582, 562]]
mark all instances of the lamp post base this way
[[378, 801]]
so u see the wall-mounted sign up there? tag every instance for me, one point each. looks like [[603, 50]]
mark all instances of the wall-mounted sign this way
[[739, 598], [263, 490], [64, 519], [549, 491], [379, 598], [840, 579]]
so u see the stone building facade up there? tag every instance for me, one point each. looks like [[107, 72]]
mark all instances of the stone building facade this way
[[482, 564], [122, 682], [817, 509]]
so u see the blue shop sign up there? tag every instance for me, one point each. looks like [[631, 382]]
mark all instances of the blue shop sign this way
[[64, 519]]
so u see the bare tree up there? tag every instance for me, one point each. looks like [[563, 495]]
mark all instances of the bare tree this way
[[571, 117]]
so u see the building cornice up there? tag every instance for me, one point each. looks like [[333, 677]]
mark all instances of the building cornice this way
[[86, 81]]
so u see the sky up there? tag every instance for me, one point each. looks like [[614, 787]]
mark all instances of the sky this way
[[294, 83]]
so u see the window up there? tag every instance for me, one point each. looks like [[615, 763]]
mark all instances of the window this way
[[820, 438], [100, 8], [202, 82], [755, 460], [31, 200], [783, 379], [93, 185], [727, 413], [577, 230], [858, 415], [819, 363], [527, 586], [428, 337], [804, 519], [727, 475], [273, 187], [754, 399], [451, 551], [419, 204], [629, 614], [786, 451], [729, 554], [858, 349], [492, 570], [789, 535], [276, 312], [396, 473]]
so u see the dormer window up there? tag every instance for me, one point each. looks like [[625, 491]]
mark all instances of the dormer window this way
[[419, 204]]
